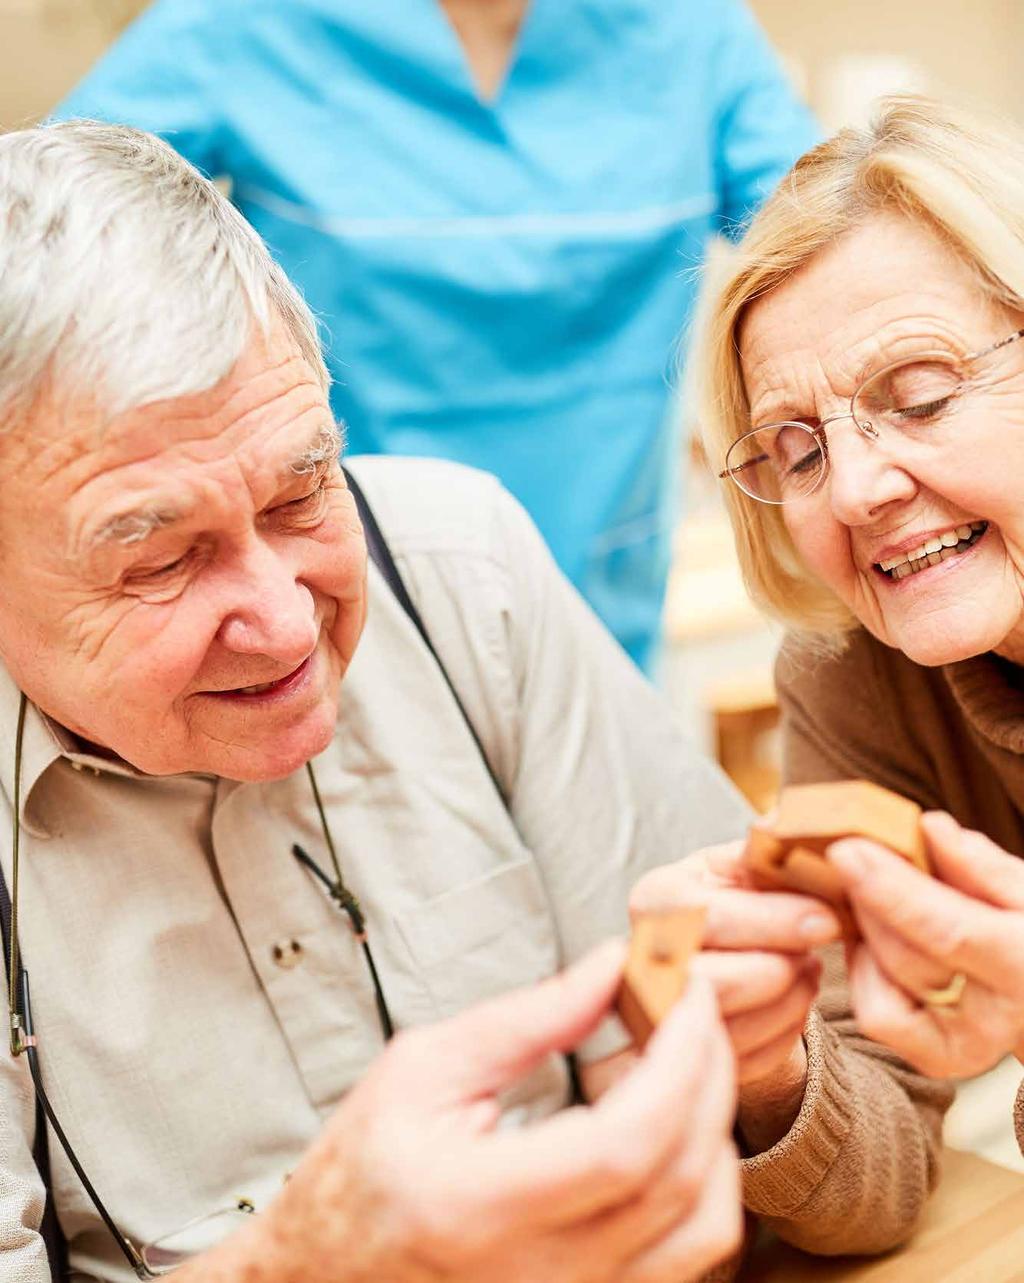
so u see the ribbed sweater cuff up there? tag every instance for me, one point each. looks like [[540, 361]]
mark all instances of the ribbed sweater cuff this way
[[1018, 1117], [780, 1180]]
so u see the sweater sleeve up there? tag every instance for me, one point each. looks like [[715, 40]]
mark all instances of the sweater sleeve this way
[[854, 1171]]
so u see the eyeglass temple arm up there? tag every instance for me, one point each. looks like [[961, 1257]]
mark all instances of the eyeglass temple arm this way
[[747, 463]]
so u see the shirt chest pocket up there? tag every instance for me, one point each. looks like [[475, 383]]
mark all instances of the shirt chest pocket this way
[[482, 938]]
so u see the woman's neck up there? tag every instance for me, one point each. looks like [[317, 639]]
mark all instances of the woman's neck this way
[[487, 30]]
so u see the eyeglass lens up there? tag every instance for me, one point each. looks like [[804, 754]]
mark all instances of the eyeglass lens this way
[[171, 1250], [785, 461]]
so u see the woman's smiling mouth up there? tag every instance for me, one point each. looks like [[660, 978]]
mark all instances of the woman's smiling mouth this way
[[932, 551]]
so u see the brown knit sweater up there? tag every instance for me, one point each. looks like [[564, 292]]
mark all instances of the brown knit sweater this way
[[855, 1170], [951, 738]]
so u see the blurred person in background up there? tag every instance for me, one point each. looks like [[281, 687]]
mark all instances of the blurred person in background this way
[[497, 210]]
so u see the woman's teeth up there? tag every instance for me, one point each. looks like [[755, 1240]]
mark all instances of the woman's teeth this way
[[932, 551]]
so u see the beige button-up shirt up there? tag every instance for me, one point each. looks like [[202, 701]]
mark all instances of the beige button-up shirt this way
[[200, 1001]]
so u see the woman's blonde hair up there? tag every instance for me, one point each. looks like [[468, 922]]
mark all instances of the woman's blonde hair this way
[[962, 174]]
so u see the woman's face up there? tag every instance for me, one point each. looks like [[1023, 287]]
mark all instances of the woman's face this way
[[880, 294]]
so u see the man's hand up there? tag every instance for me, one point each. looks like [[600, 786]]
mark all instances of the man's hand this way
[[759, 956], [413, 1182]]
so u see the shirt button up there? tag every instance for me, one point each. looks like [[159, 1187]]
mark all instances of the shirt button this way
[[287, 954]]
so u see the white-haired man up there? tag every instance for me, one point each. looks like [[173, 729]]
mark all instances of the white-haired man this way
[[192, 750]]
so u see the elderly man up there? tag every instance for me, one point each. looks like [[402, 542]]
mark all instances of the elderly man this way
[[192, 746]]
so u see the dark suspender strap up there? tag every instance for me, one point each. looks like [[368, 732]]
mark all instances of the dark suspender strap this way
[[381, 556], [49, 1229]]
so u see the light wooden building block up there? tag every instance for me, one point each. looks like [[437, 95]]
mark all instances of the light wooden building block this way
[[660, 950], [786, 850]]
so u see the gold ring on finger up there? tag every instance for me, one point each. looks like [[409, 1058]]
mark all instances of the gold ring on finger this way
[[949, 995]]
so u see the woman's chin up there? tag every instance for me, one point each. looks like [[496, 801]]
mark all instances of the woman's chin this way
[[932, 646]]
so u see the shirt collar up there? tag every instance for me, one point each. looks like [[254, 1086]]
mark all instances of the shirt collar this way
[[45, 742]]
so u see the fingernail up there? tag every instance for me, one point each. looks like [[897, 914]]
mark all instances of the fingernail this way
[[818, 928]]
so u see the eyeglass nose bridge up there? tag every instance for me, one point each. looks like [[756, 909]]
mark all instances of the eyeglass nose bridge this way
[[865, 429]]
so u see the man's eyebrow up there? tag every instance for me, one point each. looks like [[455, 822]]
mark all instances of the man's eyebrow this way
[[133, 527], [325, 446]]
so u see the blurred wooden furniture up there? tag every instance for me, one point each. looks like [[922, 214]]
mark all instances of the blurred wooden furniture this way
[[972, 1232], [745, 718]]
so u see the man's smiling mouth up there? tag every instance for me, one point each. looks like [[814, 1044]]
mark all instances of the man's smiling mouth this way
[[935, 549], [265, 688]]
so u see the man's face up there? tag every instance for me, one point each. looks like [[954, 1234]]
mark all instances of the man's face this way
[[159, 570]]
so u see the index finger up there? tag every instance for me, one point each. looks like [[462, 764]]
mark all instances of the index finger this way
[[586, 1160], [767, 920]]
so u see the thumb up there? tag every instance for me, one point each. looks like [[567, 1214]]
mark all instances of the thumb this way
[[487, 1047], [973, 863]]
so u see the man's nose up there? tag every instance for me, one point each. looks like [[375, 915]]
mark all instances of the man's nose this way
[[274, 613], [863, 477]]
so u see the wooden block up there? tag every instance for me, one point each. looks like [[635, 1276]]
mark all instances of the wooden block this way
[[786, 850], [655, 976], [765, 852], [818, 814]]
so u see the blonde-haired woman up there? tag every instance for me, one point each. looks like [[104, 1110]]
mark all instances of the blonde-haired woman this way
[[868, 410], [862, 375]]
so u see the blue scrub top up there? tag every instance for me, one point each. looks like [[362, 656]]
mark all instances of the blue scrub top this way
[[500, 283]]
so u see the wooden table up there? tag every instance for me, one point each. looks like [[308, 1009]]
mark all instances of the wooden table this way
[[972, 1232]]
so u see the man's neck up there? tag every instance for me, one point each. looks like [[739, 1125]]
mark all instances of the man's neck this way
[[487, 30]]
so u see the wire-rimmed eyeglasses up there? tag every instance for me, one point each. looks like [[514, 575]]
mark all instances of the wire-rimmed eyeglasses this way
[[917, 395]]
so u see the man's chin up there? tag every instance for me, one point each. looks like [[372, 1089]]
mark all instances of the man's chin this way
[[264, 763], [256, 759]]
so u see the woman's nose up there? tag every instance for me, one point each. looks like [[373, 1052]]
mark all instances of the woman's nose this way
[[863, 477]]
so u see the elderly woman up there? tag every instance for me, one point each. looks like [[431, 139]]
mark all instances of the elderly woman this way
[[863, 372]]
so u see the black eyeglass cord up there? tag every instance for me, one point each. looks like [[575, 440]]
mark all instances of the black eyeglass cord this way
[[23, 1038], [347, 902]]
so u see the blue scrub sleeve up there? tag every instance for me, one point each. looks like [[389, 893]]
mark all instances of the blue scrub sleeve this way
[[762, 125], [162, 76]]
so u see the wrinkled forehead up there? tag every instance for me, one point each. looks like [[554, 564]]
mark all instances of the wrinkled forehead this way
[[887, 288], [269, 417]]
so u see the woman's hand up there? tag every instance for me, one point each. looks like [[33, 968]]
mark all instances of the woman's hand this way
[[920, 934], [758, 953]]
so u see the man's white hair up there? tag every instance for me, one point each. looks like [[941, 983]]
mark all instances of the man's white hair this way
[[124, 274]]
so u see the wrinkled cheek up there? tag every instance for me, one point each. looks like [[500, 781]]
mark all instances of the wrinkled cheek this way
[[824, 549], [344, 581], [150, 658], [349, 620]]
